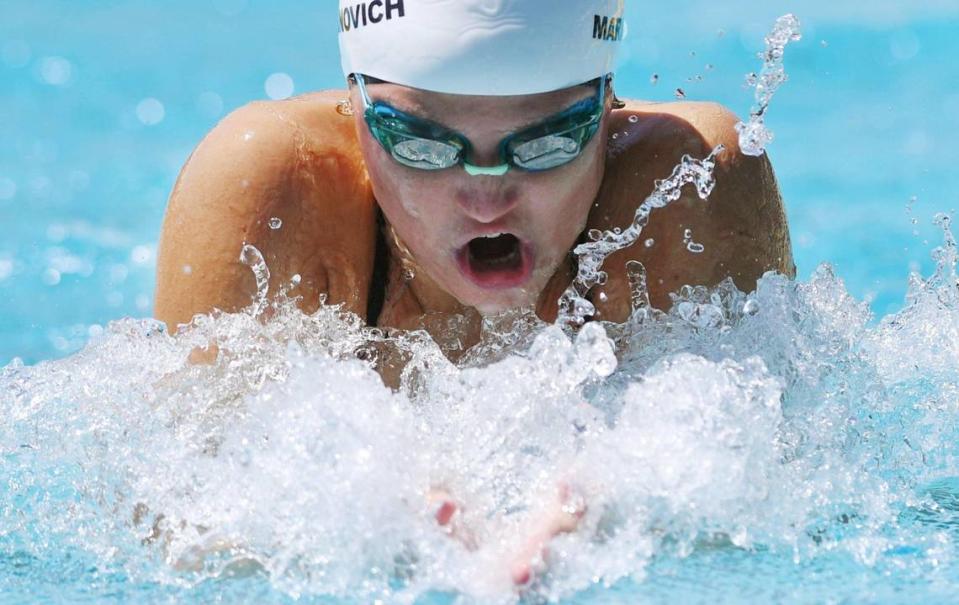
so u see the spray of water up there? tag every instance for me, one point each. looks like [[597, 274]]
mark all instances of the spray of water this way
[[753, 135]]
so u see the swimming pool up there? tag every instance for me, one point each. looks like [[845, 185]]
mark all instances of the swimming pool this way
[[108, 101]]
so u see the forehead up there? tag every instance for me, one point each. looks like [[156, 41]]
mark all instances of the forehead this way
[[450, 109]]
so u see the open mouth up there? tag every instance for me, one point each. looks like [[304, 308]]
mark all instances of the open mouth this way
[[497, 260]]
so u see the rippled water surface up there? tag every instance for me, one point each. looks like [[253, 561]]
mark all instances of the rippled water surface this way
[[792, 444]]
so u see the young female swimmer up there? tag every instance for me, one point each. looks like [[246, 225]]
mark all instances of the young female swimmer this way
[[474, 152]]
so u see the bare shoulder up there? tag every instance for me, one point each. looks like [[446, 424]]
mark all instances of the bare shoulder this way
[[742, 227], [286, 177]]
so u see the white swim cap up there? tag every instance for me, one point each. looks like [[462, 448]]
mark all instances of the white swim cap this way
[[481, 47]]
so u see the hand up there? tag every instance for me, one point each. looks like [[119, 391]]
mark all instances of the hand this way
[[562, 516]]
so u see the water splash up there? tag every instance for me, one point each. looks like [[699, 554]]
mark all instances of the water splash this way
[[781, 424], [574, 307], [753, 135], [252, 258]]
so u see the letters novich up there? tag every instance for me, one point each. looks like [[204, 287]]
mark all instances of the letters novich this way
[[608, 28], [370, 13]]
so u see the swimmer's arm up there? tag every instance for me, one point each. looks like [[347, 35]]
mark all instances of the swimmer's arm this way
[[742, 226], [294, 160]]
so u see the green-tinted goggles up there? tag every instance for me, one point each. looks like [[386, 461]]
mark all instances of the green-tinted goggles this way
[[426, 145]]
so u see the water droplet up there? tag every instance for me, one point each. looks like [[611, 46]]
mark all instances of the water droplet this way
[[252, 258], [279, 86], [51, 277], [344, 107], [187, 270], [824, 44], [654, 79], [276, 223], [603, 297], [633, 119], [692, 53], [56, 71], [615, 136], [150, 112], [710, 67], [687, 234], [680, 93], [721, 33], [649, 243]]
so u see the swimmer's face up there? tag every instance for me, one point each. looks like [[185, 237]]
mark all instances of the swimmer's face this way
[[492, 242]]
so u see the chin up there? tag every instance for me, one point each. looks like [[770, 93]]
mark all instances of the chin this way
[[494, 303]]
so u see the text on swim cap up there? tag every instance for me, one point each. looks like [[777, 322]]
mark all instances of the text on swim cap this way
[[370, 13], [608, 28]]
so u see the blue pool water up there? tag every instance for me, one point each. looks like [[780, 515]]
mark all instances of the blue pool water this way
[[840, 488]]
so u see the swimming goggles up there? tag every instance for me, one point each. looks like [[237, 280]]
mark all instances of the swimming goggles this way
[[425, 145]]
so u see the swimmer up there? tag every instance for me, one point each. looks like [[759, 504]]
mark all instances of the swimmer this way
[[476, 143]]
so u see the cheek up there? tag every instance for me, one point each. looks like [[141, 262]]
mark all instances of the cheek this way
[[563, 204]]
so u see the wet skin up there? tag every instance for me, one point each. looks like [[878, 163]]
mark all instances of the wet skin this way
[[319, 171]]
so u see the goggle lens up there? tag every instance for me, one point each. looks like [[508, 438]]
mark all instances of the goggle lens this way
[[425, 154], [548, 152]]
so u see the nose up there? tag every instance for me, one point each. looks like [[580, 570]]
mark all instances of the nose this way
[[487, 204]]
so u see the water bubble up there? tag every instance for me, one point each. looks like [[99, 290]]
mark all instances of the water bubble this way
[[823, 43], [142, 255], [904, 45], [751, 307], [275, 223], [187, 270], [8, 188], [56, 71], [279, 86], [6, 268], [296, 280], [633, 119], [654, 79], [695, 248], [614, 136], [51, 277], [710, 67], [344, 107], [150, 111], [595, 234], [649, 243]]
